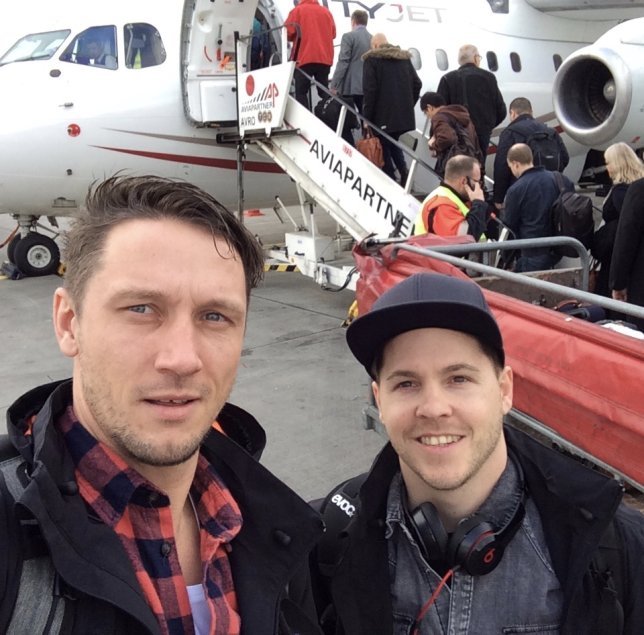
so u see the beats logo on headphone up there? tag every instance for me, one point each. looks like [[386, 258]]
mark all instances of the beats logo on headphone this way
[[476, 545]]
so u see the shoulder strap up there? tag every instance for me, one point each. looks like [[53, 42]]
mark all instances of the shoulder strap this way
[[454, 122], [559, 181], [339, 507], [608, 573]]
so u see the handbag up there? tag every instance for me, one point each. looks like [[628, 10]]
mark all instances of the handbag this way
[[371, 147]]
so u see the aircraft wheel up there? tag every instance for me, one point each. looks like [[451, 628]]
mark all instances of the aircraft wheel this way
[[11, 248], [37, 255]]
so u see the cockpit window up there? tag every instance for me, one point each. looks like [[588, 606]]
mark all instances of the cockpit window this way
[[143, 46], [95, 46], [36, 46]]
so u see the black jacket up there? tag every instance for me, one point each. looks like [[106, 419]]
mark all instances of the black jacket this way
[[528, 205], [576, 505], [100, 588], [627, 264], [391, 87], [517, 132], [477, 90]]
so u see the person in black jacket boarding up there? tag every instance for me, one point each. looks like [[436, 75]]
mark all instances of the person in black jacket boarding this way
[[463, 524], [141, 502], [476, 89], [522, 127], [391, 87]]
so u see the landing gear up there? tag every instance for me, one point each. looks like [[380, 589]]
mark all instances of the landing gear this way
[[34, 254], [11, 248]]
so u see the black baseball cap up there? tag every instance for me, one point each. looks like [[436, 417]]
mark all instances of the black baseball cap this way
[[424, 300]]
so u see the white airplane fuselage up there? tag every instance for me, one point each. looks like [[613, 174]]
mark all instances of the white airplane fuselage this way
[[64, 125]]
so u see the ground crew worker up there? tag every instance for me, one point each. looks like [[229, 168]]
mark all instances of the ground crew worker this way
[[457, 206]]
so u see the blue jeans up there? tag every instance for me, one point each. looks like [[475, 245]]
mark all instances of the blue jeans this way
[[540, 262]]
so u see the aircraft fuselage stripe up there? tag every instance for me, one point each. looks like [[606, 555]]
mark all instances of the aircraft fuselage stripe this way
[[211, 162]]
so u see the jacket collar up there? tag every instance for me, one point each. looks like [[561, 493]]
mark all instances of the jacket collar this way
[[387, 52]]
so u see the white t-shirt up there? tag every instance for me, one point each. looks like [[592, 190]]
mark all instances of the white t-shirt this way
[[200, 608]]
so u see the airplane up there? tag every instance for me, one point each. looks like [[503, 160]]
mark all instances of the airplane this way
[[167, 103]]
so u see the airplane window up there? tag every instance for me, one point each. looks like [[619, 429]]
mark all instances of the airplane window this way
[[499, 6], [95, 46], [515, 61], [492, 61], [441, 60], [143, 46], [35, 46], [556, 59], [416, 60]]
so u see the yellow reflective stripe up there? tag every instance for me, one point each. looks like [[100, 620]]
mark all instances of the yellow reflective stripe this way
[[441, 190]]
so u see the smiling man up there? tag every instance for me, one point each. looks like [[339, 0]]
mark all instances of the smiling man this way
[[463, 525], [141, 503]]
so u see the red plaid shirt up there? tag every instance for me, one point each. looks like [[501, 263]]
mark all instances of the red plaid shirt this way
[[140, 515]]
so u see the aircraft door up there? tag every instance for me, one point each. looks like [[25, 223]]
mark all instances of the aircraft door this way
[[209, 58]]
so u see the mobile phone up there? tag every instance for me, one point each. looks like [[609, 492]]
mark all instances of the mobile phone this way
[[470, 183]]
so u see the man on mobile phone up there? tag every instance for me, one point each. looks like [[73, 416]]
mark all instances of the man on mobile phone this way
[[457, 206]]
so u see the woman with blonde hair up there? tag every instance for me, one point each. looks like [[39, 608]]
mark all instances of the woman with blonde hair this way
[[623, 167]]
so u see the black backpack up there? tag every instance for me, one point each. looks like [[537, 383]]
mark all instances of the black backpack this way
[[546, 149], [328, 111], [572, 215]]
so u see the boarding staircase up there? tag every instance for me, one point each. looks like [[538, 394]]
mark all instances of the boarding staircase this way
[[254, 107], [359, 196]]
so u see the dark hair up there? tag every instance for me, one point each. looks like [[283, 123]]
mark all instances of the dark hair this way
[[521, 105], [488, 350], [122, 198], [360, 17], [431, 99]]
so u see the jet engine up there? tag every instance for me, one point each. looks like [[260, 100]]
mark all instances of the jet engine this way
[[598, 92]]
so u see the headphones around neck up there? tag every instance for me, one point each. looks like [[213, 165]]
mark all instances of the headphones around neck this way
[[476, 545]]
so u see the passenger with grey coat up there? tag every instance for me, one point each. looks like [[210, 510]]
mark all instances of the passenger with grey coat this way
[[347, 77]]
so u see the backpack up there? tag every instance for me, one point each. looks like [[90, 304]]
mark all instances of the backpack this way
[[342, 503], [572, 215], [328, 111], [546, 149], [464, 144]]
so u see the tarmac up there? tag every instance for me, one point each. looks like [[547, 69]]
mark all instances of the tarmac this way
[[297, 376]]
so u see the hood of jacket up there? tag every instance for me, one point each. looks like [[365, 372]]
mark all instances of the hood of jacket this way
[[460, 113], [387, 52]]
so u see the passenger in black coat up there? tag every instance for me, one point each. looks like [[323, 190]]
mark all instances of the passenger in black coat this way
[[623, 167], [391, 88], [627, 264], [477, 90], [522, 125]]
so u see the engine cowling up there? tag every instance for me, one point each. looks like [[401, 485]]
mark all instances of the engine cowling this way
[[598, 92]]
